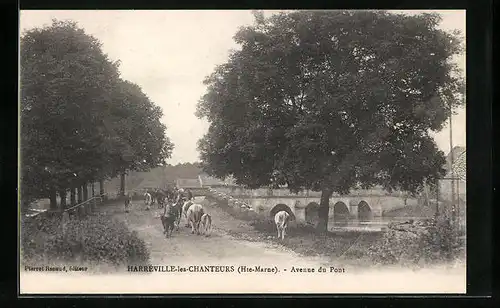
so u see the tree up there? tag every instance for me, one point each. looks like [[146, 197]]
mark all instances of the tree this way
[[73, 103], [65, 84], [331, 101], [137, 131]]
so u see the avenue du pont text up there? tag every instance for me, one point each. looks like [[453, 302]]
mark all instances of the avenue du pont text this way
[[229, 269]]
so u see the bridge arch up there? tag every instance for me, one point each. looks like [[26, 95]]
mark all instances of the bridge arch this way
[[311, 213], [365, 212], [340, 213], [281, 207]]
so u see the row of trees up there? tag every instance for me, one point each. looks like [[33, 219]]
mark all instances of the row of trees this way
[[80, 121], [332, 100]]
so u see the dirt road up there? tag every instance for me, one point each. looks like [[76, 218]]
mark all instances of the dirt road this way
[[187, 250], [219, 248]]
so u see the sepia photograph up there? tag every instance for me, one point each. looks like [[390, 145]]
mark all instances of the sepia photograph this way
[[242, 152]]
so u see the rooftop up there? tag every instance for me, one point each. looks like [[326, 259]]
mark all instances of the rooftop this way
[[188, 183], [207, 180]]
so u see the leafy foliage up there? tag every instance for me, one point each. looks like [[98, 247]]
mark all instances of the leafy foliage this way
[[330, 101], [437, 242], [135, 123], [95, 239], [34, 234], [79, 121]]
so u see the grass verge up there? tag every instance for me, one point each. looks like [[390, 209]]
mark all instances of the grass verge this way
[[433, 242]]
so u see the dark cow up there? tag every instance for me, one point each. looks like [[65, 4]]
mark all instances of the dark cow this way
[[177, 208], [180, 197], [161, 201], [169, 194], [168, 219], [189, 194]]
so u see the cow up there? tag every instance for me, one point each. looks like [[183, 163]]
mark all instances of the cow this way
[[189, 194], [185, 208], [281, 219], [161, 200], [177, 207], [168, 219], [194, 214], [156, 195], [160, 196], [185, 194], [206, 224], [180, 197], [147, 200], [170, 193]]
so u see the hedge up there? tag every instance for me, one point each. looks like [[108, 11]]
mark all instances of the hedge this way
[[94, 239]]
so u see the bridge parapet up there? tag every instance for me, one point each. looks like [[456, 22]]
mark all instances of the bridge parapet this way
[[237, 191], [303, 205]]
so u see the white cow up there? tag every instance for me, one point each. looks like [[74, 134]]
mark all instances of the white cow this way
[[206, 224], [185, 208], [281, 219], [194, 214]]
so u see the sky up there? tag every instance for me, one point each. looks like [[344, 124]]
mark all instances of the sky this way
[[169, 53]]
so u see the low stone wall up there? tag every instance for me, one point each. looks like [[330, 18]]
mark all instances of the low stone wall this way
[[304, 205], [285, 192]]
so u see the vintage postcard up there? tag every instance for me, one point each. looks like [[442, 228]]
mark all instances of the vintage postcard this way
[[233, 151]]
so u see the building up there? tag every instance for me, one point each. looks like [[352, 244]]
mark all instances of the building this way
[[188, 183], [208, 181]]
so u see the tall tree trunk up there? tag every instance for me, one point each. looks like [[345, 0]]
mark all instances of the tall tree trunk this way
[[85, 188], [73, 195], [53, 199], [80, 194], [62, 194], [122, 184], [426, 195], [101, 187], [323, 210]]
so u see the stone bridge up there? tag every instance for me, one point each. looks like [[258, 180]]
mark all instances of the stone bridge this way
[[361, 205]]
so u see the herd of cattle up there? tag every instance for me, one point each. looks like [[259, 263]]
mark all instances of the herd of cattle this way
[[177, 203], [281, 218]]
